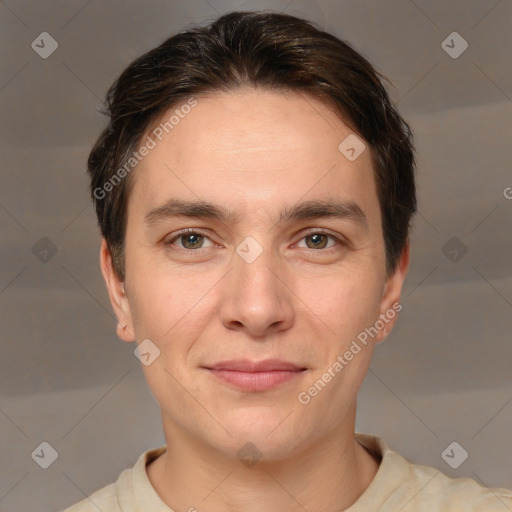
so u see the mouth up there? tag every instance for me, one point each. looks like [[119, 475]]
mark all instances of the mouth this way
[[255, 376]]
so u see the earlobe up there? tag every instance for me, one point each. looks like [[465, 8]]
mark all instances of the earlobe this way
[[117, 294], [123, 333]]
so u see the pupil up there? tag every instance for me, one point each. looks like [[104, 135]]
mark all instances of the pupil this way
[[190, 239], [317, 240]]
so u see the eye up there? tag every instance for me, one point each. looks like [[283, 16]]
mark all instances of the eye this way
[[319, 239], [189, 239]]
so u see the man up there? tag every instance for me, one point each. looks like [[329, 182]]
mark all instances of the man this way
[[254, 190]]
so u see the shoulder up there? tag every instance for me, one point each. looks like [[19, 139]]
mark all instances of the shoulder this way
[[400, 485], [433, 488], [125, 495], [103, 499]]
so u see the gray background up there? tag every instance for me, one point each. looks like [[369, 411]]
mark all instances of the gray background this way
[[442, 376]]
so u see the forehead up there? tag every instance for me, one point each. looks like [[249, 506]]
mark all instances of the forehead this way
[[248, 122], [254, 145]]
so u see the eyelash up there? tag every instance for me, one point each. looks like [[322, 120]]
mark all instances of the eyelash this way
[[170, 241]]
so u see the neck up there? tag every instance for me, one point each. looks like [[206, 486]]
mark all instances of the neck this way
[[330, 474]]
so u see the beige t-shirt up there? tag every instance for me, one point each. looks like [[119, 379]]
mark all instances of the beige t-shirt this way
[[397, 486]]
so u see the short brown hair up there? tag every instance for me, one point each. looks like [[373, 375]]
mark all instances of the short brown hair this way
[[274, 51]]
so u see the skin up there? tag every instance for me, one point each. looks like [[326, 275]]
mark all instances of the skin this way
[[255, 151]]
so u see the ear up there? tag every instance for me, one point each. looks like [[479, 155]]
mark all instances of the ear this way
[[390, 304], [117, 294]]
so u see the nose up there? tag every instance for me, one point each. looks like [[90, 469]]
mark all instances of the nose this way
[[257, 299]]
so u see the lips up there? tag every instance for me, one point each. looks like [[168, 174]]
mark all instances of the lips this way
[[244, 365], [255, 375]]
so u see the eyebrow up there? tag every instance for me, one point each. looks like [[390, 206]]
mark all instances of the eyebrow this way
[[307, 210]]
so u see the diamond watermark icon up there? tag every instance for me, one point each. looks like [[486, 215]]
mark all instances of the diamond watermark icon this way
[[44, 45], [454, 249], [249, 250], [45, 455], [146, 352], [44, 249], [351, 147], [249, 455], [454, 455], [454, 45]]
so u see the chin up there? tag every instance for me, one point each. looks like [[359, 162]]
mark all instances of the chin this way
[[269, 437]]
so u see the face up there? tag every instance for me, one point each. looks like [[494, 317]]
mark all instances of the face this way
[[283, 264]]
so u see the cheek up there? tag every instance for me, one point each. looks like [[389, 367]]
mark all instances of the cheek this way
[[346, 301], [154, 305], [170, 310]]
